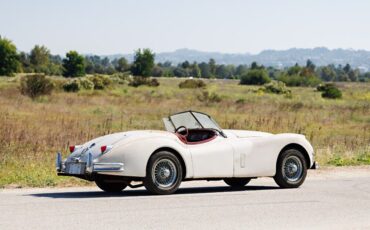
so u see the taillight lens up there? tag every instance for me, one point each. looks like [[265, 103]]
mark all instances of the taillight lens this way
[[72, 148], [105, 148]]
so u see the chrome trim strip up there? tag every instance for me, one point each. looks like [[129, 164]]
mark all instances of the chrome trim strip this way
[[108, 167]]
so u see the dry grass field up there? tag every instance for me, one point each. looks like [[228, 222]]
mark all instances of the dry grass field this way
[[31, 132]]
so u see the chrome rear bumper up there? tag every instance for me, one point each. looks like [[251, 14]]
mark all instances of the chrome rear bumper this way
[[65, 168]]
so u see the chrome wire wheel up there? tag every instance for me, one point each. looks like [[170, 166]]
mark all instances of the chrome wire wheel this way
[[165, 173], [292, 168]]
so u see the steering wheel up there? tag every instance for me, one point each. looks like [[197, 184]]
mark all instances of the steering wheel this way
[[177, 130]]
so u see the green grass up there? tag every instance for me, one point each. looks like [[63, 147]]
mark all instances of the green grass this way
[[31, 132]]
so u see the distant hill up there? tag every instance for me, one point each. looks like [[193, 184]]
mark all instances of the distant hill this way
[[278, 58]]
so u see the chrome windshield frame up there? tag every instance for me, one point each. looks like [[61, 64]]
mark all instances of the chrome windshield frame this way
[[218, 128]]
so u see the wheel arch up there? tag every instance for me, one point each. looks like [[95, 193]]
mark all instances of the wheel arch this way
[[299, 148], [176, 153]]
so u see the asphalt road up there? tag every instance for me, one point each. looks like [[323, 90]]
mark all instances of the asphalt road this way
[[337, 199]]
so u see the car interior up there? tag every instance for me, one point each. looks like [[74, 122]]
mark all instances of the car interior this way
[[196, 136]]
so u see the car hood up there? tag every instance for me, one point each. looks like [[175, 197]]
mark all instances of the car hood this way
[[94, 145], [245, 133]]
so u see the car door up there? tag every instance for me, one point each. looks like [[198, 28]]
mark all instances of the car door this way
[[253, 157], [212, 159]]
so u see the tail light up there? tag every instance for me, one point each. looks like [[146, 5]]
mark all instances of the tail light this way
[[72, 148], [105, 148]]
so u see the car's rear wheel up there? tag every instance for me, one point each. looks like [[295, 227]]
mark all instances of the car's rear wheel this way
[[110, 186], [291, 169], [237, 182], [163, 174]]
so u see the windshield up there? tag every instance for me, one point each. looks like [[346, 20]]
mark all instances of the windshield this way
[[191, 120]]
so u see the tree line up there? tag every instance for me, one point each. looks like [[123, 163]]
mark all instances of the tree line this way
[[40, 60]]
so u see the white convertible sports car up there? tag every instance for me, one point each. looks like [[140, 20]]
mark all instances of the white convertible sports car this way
[[193, 147]]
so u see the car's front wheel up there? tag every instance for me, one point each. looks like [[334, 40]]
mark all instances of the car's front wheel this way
[[164, 173], [109, 186], [291, 169], [237, 182]]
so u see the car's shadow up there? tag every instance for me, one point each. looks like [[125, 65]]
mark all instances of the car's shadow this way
[[143, 192]]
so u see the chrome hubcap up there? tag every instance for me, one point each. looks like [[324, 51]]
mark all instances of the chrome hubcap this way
[[165, 173], [292, 169]]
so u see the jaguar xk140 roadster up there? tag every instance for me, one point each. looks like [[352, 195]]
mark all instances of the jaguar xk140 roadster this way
[[194, 147]]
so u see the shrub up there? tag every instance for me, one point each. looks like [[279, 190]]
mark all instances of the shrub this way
[[209, 97], [255, 77], [192, 84], [100, 82], [72, 86], [58, 83], [86, 84], [332, 93], [276, 87], [36, 85], [138, 81], [154, 82], [324, 87], [329, 91], [120, 78], [299, 80]]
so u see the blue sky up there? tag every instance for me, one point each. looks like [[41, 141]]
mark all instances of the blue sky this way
[[233, 26]]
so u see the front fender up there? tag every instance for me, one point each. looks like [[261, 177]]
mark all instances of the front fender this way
[[263, 152], [299, 140]]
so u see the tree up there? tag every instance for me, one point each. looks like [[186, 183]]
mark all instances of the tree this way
[[353, 75], [347, 68], [365, 77], [180, 72], [185, 65], [195, 70], [25, 62], [254, 65], [310, 65], [205, 71], [105, 62], [94, 64], [157, 71], [212, 67], [9, 60], [74, 65], [327, 73], [225, 71], [143, 63], [39, 58], [240, 70], [89, 66], [296, 69], [121, 65], [55, 65]]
